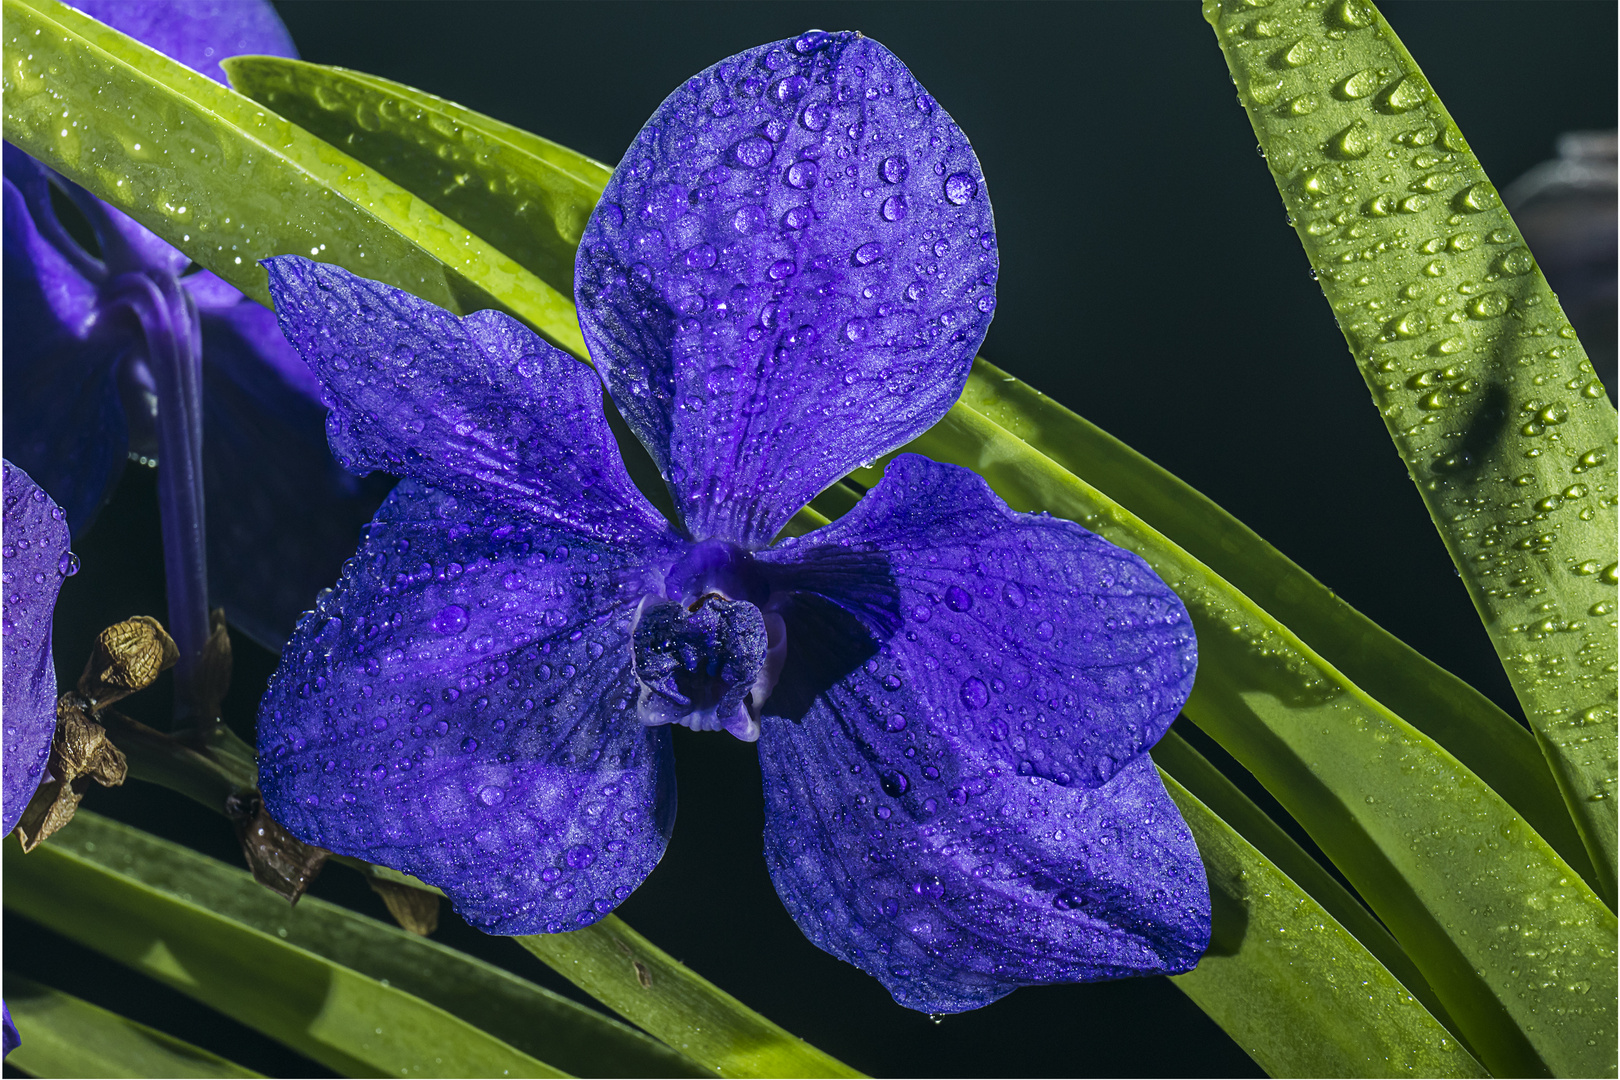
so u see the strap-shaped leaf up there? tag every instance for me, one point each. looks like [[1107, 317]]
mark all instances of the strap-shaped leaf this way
[[1475, 731], [632, 976], [80, 885], [1488, 395], [231, 183], [1279, 965], [1448, 866], [63, 1035], [529, 196]]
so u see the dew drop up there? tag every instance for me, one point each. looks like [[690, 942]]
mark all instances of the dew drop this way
[[975, 695], [451, 619], [960, 187]]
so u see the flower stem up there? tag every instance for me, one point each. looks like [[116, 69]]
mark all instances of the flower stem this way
[[168, 316]]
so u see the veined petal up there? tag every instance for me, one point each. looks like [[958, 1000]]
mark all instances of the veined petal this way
[[965, 805], [952, 907], [476, 405], [460, 708], [35, 560], [282, 514], [198, 33], [788, 275], [1042, 644], [64, 420]]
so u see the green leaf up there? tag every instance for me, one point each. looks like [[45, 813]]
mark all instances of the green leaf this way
[[1483, 737], [158, 908], [231, 183], [526, 194], [1490, 399], [1237, 813], [632, 976], [67, 1036], [1518, 947], [1282, 977]]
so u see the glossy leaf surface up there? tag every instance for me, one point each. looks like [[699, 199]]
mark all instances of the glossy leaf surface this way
[[1491, 401], [231, 183], [160, 909], [526, 195], [1441, 858], [630, 975], [63, 1035], [1279, 965], [1473, 729]]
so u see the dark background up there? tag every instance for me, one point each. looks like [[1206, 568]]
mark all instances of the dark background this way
[[1148, 280]]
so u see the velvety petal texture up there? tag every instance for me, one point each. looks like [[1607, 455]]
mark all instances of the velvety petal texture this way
[[968, 806], [480, 404], [459, 708], [788, 275], [34, 558]]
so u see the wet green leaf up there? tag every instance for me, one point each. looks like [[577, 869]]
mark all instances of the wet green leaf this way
[[1491, 401], [1517, 946], [526, 195], [229, 182], [1282, 977], [1473, 729], [161, 909], [67, 1036], [639, 981]]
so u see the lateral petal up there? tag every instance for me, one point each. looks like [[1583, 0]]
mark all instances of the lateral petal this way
[[476, 405], [964, 804], [459, 708], [35, 560]]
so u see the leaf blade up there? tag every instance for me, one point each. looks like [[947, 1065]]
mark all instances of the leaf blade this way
[[168, 138], [63, 1035], [635, 978], [1279, 964], [1471, 727], [327, 1011], [1320, 745], [1489, 398]]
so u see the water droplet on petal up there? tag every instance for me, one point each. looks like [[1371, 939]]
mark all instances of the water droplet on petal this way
[[960, 187]]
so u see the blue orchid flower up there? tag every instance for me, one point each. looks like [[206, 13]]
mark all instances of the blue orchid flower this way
[[787, 276], [100, 338], [34, 559]]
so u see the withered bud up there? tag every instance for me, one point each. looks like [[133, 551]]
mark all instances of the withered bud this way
[[280, 861], [214, 667], [128, 656], [413, 909], [80, 753]]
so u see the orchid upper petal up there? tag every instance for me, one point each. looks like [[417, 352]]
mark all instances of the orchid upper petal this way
[[965, 805], [476, 405], [787, 276], [35, 558], [458, 708]]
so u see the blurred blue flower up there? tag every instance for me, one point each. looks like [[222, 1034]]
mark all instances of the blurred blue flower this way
[[787, 276], [91, 298]]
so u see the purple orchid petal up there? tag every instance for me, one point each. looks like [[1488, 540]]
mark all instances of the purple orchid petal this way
[[964, 805], [476, 405], [35, 560], [282, 514], [198, 33], [460, 708], [64, 417], [787, 276], [9, 1040]]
